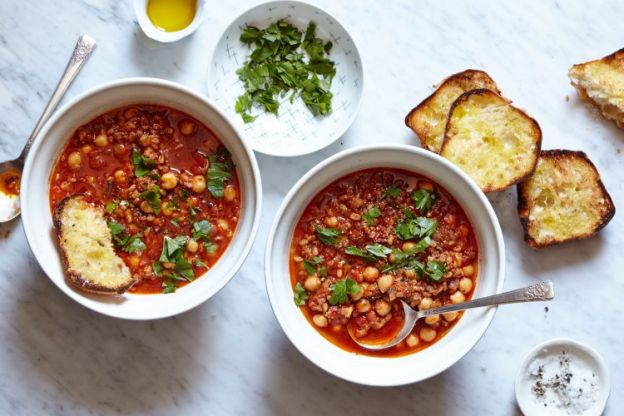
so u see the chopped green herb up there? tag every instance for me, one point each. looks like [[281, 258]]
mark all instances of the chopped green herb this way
[[183, 194], [358, 252], [282, 63], [142, 164], [199, 263], [175, 223], [322, 271], [152, 196], [168, 286], [300, 295], [122, 240], [310, 266], [378, 250], [210, 247], [371, 215], [423, 200], [328, 236], [202, 230], [435, 270], [392, 191], [419, 227], [173, 252], [111, 206], [219, 172], [341, 289]]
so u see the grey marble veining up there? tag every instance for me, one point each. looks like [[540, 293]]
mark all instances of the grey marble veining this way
[[229, 356]]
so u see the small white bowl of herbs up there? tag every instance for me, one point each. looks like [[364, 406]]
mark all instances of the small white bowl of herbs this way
[[289, 76]]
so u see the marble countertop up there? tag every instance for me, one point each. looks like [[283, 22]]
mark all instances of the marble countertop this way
[[229, 355]]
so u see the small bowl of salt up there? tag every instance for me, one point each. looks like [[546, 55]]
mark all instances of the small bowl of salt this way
[[562, 377]]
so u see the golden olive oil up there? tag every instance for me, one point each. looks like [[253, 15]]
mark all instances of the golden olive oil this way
[[171, 15]]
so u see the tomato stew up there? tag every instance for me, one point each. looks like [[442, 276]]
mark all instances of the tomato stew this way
[[372, 238], [168, 187]]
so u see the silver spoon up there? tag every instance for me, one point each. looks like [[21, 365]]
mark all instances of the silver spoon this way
[[11, 170], [536, 292]]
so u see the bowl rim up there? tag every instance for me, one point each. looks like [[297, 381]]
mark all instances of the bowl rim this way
[[355, 39], [145, 81], [601, 366], [472, 186]]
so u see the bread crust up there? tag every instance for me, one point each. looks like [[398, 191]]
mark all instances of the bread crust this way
[[75, 278], [524, 205], [537, 132], [474, 78]]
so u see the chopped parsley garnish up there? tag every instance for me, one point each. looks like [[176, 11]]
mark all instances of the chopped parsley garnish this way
[[173, 253], [152, 196], [199, 263], [202, 230], [341, 289], [435, 270], [423, 200], [419, 227], [219, 172], [300, 295], [122, 240], [392, 191], [142, 164], [370, 253], [112, 206], [283, 62], [378, 250], [358, 252], [406, 259], [328, 236], [311, 265], [371, 215]]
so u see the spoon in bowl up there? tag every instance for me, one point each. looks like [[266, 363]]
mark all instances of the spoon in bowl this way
[[11, 170], [537, 292]]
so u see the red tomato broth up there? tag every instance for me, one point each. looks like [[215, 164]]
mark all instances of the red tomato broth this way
[[10, 182], [154, 131], [337, 200]]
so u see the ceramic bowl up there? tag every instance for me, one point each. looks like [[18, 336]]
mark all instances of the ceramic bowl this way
[[578, 351], [296, 131], [152, 32], [48, 145], [376, 371]]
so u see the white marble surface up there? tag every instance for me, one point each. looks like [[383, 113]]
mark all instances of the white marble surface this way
[[229, 356]]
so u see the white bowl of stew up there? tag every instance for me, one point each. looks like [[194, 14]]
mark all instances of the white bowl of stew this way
[[161, 162], [366, 228]]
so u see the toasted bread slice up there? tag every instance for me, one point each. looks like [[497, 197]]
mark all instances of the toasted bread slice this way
[[87, 250], [428, 119], [564, 200], [601, 82], [493, 142]]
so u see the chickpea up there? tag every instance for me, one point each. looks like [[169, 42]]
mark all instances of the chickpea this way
[[229, 193], [331, 221], [468, 270], [134, 261], [465, 285], [120, 176], [198, 184], [319, 320], [425, 303], [408, 245], [74, 160], [458, 297], [165, 209], [312, 283], [370, 273], [432, 319], [101, 140], [384, 282], [192, 246], [223, 224], [131, 113], [363, 306], [425, 185], [412, 341], [427, 334], [382, 307], [450, 316], [168, 180], [86, 149], [410, 273], [358, 295], [145, 207], [187, 127]]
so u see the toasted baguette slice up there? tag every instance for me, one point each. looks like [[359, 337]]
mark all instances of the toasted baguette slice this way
[[601, 82], [428, 119], [492, 141], [564, 200], [87, 248]]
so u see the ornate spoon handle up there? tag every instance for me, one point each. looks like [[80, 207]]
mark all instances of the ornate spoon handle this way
[[82, 51], [539, 291]]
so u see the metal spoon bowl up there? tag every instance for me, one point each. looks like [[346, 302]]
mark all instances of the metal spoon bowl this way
[[9, 201], [537, 292]]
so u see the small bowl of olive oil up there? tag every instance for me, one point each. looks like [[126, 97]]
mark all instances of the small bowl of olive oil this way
[[169, 20]]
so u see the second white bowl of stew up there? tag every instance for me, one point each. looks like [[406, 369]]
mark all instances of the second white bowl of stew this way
[[170, 178], [366, 229]]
